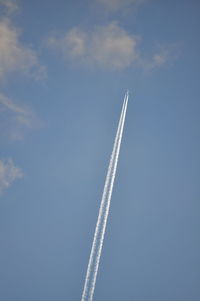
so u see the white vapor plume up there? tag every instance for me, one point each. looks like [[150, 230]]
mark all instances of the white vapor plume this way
[[93, 265]]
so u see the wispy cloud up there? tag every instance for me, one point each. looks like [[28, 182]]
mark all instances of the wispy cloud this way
[[8, 173], [14, 55], [15, 119], [164, 54], [10, 6], [107, 46]]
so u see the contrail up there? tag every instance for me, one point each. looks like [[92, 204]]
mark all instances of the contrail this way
[[93, 265]]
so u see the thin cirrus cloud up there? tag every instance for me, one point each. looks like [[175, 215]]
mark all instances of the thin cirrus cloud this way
[[108, 47], [16, 119], [8, 173], [14, 55]]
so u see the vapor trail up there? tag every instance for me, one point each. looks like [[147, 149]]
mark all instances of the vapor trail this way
[[97, 244]]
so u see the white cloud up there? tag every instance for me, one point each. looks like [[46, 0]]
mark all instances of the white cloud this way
[[8, 173], [15, 119], [14, 56], [10, 5], [110, 47], [107, 46], [115, 5]]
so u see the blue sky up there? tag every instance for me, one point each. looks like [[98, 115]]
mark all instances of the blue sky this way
[[64, 69]]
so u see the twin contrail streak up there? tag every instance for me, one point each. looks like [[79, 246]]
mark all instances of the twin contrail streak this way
[[93, 265]]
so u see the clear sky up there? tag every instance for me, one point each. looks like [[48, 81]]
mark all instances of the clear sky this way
[[64, 68]]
